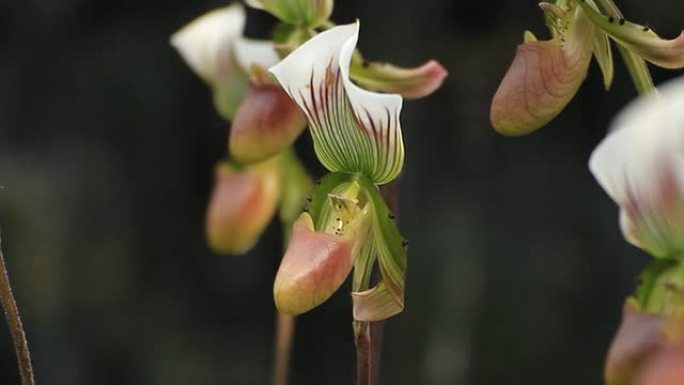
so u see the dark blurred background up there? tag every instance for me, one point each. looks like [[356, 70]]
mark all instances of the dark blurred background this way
[[517, 269]]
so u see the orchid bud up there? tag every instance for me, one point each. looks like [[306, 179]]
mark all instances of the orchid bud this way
[[307, 13], [242, 204], [266, 122], [639, 164]]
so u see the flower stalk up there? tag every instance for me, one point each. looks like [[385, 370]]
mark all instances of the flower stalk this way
[[368, 336], [285, 328], [16, 328]]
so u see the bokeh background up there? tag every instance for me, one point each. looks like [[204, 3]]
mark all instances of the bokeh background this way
[[517, 269]]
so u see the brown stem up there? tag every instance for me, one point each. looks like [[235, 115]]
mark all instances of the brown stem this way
[[285, 325], [16, 329], [368, 335], [362, 339]]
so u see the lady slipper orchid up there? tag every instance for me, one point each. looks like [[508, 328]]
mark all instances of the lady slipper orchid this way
[[639, 164], [347, 225], [242, 204], [545, 76], [303, 283], [265, 121], [357, 136]]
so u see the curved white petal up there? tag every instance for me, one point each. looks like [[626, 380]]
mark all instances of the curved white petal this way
[[250, 52], [640, 164], [354, 130], [206, 43]]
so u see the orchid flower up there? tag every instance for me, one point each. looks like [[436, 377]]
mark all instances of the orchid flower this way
[[265, 121], [357, 135], [545, 75], [263, 172], [639, 164]]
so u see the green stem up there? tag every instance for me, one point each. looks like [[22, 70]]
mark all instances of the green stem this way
[[636, 66], [9, 305]]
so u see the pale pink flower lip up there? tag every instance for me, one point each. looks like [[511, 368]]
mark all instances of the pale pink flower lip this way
[[242, 204], [314, 266]]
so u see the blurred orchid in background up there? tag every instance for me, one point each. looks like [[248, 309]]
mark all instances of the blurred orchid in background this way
[[545, 75], [639, 165], [265, 121], [265, 124]]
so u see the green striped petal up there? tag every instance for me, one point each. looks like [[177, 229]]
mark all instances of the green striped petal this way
[[354, 130]]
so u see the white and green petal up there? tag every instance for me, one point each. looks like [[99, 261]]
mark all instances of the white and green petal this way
[[544, 75], [667, 53], [640, 164], [354, 130]]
